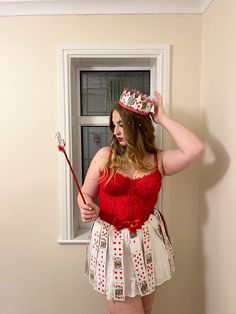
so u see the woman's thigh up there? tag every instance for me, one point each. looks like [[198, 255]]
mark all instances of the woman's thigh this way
[[129, 306], [148, 302]]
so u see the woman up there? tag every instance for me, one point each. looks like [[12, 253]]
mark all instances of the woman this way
[[130, 252]]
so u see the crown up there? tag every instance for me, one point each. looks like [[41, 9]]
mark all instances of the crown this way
[[135, 101]]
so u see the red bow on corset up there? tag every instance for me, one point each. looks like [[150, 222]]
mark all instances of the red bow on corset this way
[[132, 225]]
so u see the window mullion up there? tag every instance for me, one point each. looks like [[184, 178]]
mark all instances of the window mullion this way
[[93, 120]]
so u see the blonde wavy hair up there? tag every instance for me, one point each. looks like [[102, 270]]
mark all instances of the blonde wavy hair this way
[[140, 137]]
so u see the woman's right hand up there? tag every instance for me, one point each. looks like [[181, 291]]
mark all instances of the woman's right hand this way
[[159, 111], [89, 212]]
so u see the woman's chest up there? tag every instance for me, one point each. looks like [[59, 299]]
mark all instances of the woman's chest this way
[[142, 186]]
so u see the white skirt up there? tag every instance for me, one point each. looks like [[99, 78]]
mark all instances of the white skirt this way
[[120, 264]]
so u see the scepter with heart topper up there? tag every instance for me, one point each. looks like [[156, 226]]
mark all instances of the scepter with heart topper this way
[[61, 147]]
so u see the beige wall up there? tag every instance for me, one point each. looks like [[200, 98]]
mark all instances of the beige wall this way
[[217, 228], [37, 275]]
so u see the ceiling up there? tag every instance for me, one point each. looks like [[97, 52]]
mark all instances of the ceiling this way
[[55, 7]]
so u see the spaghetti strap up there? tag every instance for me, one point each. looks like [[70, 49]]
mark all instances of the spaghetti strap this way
[[160, 162], [155, 160]]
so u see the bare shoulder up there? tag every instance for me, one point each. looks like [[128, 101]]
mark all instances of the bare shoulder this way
[[101, 157], [103, 152]]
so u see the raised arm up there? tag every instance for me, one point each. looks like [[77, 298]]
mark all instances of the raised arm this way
[[189, 146], [90, 210]]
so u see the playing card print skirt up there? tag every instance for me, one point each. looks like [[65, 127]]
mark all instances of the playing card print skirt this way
[[122, 264]]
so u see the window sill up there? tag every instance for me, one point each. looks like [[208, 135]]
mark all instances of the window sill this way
[[81, 238]]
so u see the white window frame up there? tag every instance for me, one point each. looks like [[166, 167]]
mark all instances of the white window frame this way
[[158, 57]]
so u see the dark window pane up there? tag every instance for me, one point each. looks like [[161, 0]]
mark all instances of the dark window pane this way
[[93, 138], [100, 90]]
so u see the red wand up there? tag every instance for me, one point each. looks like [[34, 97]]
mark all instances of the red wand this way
[[61, 146]]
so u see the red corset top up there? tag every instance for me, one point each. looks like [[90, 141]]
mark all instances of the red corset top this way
[[125, 201]]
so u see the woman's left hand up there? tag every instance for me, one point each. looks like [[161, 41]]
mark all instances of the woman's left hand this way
[[159, 111]]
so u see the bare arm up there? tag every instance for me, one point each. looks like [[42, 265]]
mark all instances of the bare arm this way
[[189, 146], [90, 210]]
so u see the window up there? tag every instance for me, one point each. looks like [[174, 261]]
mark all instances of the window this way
[[99, 91], [91, 82]]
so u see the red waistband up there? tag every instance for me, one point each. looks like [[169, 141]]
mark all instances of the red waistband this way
[[121, 224]]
